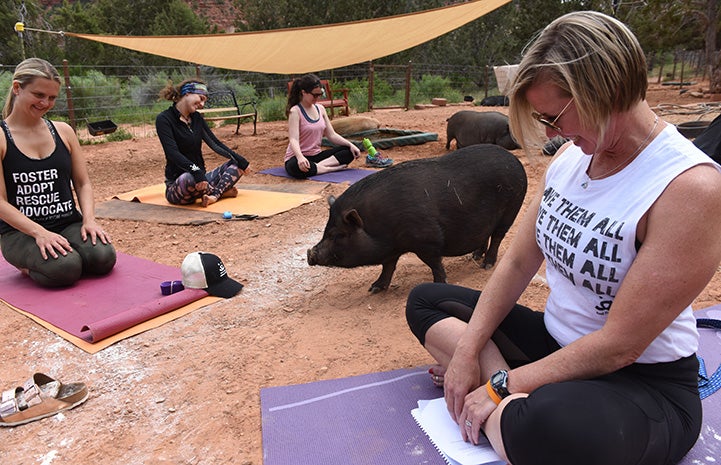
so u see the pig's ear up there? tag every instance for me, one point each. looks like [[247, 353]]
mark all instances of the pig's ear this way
[[353, 218]]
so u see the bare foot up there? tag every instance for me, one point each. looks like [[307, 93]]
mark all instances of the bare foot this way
[[437, 373], [208, 200], [232, 192]]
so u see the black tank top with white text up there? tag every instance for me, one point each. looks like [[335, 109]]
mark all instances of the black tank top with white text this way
[[40, 188]]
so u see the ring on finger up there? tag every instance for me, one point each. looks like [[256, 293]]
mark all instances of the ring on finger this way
[[469, 424]]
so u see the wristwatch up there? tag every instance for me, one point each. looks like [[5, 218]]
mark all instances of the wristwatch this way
[[499, 383]]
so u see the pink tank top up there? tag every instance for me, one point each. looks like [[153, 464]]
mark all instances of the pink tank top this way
[[310, 133]]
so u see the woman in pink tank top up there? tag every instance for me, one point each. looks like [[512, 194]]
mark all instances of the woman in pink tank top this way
[[307, 124]]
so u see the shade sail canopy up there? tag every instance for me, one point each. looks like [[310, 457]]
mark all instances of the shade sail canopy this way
[[307, 49]]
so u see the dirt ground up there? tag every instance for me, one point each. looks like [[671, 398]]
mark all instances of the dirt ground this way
[[188, 391]]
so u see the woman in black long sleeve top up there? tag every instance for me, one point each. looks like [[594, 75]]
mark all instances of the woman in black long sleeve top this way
[[181, 130]]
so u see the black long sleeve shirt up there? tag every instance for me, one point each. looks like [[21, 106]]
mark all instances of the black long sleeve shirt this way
[[182, 145]]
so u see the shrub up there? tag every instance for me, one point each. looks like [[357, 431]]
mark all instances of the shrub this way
[[146, 90], [94, 94], [430, 87], [272, 109], [118, 135], [357, 94]]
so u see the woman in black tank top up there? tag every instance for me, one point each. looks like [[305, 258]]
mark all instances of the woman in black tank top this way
[[43, 232]]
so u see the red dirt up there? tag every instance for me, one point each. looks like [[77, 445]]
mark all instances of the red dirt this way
[[188, 391]]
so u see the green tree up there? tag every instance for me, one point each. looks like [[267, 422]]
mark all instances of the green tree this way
[[12, 48], [77, 17], [263, 15], [159, 17]]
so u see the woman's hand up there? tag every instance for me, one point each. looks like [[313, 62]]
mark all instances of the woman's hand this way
[[94, 231], [354, 150], [50, 244], [462, 376], [303, 164], [201, 187], [477, 407]]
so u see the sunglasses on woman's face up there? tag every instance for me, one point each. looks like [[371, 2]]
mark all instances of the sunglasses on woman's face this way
[[316, 94], [551, 124]]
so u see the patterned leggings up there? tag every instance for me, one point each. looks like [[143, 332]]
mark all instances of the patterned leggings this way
[[182, 191]]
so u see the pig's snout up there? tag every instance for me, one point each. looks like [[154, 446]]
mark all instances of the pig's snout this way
[[312, 256]]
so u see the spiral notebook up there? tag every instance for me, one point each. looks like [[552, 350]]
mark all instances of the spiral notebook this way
[[433, 418]]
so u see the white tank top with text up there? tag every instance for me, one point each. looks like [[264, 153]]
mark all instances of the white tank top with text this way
[[588, 237]]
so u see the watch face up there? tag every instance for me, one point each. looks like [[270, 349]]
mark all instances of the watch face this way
[[497, 378], [499, 383]]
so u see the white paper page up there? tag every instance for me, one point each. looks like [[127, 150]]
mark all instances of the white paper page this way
[[434, 418]]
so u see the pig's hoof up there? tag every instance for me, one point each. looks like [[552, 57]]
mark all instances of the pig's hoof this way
[[375, 289]]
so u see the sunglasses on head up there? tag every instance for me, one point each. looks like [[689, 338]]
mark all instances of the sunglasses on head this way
[[551, 124]]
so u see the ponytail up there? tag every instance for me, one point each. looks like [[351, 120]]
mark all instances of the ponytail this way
[[307, 83]]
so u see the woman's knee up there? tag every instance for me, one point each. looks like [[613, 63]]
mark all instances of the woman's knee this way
[[98, 259], [294, 170], [344, 157], [57, 272], [182, 190], [420, 313]]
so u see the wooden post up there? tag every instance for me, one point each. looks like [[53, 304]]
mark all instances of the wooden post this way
[[408, 85], [683, 63], [69, 96], [371, 71], [485, 81], [675, 64]]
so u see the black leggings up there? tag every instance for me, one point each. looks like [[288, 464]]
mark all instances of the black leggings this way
[[644, 414], [341, 153]]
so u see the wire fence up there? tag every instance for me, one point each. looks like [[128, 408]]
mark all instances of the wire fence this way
[[128, 95]]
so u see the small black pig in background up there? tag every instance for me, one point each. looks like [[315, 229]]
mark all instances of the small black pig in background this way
[[495, 101], [470, 127], [436, 207]]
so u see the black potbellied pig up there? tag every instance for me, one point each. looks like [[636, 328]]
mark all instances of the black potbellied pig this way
[[495, 101], [470, 127], [444, 206]]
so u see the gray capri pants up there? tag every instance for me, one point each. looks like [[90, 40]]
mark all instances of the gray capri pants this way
[[21, 251]]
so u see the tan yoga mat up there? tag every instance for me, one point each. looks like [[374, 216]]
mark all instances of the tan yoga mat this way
[[263, 203]]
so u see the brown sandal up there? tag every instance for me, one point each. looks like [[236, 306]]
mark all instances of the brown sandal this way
[[41, 396]]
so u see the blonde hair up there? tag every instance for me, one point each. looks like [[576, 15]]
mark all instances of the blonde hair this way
[[25, 73], [591, 57]]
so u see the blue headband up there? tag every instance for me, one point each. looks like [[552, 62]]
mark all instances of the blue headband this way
[[193, 88]]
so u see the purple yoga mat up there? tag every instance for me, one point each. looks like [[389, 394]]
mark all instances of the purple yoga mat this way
[[366, 419], [350, 175], [359, 420], [707, 450], [98, 307]]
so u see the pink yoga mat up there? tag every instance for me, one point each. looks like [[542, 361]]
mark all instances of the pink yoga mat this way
[[98, 307]]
